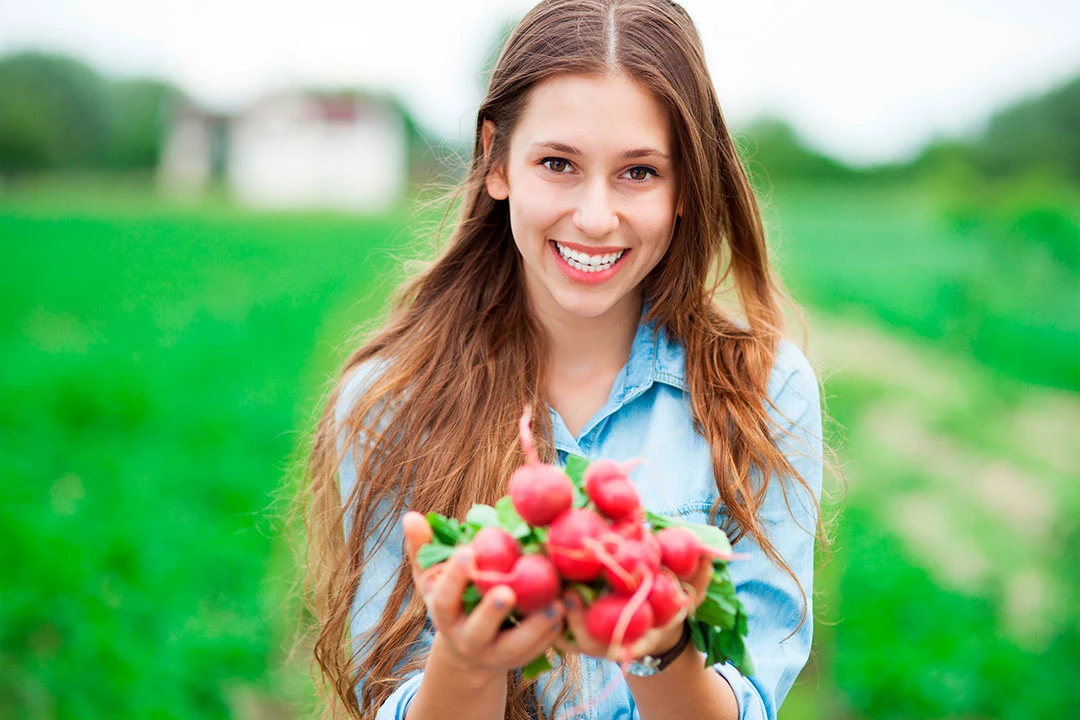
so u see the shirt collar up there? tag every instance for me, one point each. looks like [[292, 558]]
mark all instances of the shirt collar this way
[[654, 357]]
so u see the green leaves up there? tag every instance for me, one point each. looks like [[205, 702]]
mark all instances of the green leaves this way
[[433, 554], [537, 666], [718, 625], [575, 470], [470, 598], [482, 516], [509, 519], [448, 533], [446, 530], [711, 535]]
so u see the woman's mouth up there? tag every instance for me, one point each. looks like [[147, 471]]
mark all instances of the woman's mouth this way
[[588, 263], [589, 268]]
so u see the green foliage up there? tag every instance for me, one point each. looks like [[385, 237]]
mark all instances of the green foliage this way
[[772, 152], [909, 648], [55, 114], [1034, 135], [60, 114], [1040, 132], [575, 470], [152, 370], [140, 117], [985, 273]]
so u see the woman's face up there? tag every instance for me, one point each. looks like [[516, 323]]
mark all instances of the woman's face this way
[[593, 194]]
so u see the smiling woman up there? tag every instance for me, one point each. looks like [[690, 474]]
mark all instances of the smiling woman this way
[[604, 206]]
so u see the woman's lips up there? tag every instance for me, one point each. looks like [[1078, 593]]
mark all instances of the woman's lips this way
[[582, 276]]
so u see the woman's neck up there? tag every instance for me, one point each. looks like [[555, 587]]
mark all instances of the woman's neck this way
[[582, 347]]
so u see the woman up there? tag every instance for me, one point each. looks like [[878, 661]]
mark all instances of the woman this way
[[604, 211]]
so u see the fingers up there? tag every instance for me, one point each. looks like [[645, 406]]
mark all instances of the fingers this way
[[659, 640], [699, 582], [575, 620], [532, 636], [483, 623], [417, 533], [444, 600], [565, 646], [425, 580]]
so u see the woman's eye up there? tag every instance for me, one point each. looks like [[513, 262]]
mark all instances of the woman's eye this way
[[555, 164], [640, 173]]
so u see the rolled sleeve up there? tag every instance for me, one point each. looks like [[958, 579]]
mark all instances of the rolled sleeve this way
[[778, 644]]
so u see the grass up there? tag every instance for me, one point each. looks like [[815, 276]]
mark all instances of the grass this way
[[988, 273], [157, 371]]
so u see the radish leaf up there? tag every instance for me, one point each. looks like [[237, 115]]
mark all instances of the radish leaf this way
[[509, 519], [537, 666], [433, 554]]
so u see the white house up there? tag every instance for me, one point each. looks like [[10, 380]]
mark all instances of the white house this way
[[295, 150]]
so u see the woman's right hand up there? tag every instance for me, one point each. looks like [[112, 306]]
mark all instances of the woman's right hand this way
[[476, 640]]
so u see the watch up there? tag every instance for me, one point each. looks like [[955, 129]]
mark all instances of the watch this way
[[652, 664]]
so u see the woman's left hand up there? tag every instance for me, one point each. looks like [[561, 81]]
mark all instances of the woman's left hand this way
[[654, 642]]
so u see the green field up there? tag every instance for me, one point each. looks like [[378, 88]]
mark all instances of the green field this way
[[160, 365]]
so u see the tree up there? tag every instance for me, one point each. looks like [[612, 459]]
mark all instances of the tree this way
[[770, 149], [58, 114], [55, 113]]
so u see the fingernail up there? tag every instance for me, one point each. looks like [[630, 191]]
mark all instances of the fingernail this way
[[571, 602], [551, 612], [461, 558]]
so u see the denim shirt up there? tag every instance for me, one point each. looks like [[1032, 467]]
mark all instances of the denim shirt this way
[[647, 415]]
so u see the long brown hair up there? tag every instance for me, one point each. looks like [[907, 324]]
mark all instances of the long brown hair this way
[[461, 354]]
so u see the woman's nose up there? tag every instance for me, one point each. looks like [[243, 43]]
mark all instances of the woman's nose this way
[[595, 215]]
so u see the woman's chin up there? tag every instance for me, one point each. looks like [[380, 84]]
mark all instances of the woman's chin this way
[[589, 306]]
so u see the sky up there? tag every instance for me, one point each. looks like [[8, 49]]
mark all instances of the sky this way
[[864, 81]]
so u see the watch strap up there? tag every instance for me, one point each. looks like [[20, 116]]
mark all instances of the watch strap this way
[[652, 664]]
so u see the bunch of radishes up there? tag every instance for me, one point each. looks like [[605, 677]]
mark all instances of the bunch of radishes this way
[[585, 528]]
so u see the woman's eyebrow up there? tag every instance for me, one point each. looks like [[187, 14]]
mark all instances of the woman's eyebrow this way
[[625, 155]]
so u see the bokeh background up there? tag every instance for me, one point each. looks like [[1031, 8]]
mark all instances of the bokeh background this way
[[199, 206]]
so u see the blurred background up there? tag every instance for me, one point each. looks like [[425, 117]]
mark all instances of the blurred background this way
[[200, 204]]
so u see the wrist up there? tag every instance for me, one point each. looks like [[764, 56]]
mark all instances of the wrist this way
[[670, 643], [447, 662], [660, 660]]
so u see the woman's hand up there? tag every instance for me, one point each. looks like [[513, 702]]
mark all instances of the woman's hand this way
[[476, 640], [654, 642]]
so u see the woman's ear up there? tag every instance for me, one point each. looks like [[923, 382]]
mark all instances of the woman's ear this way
[[497, 186]]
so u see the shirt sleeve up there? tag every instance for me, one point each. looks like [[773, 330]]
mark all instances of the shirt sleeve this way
[[384, 562], [778, 645]]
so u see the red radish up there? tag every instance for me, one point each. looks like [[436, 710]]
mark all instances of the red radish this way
[[680, 551], [538, 491], [535, 582], [568, 544], [494, 551], [607, 485], [602, 619], [631, 527], [636, 560], [666, 598]]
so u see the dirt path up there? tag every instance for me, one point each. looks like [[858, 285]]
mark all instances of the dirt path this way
[[969, 471]]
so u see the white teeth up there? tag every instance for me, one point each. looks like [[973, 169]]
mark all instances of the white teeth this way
[[588, 263]]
